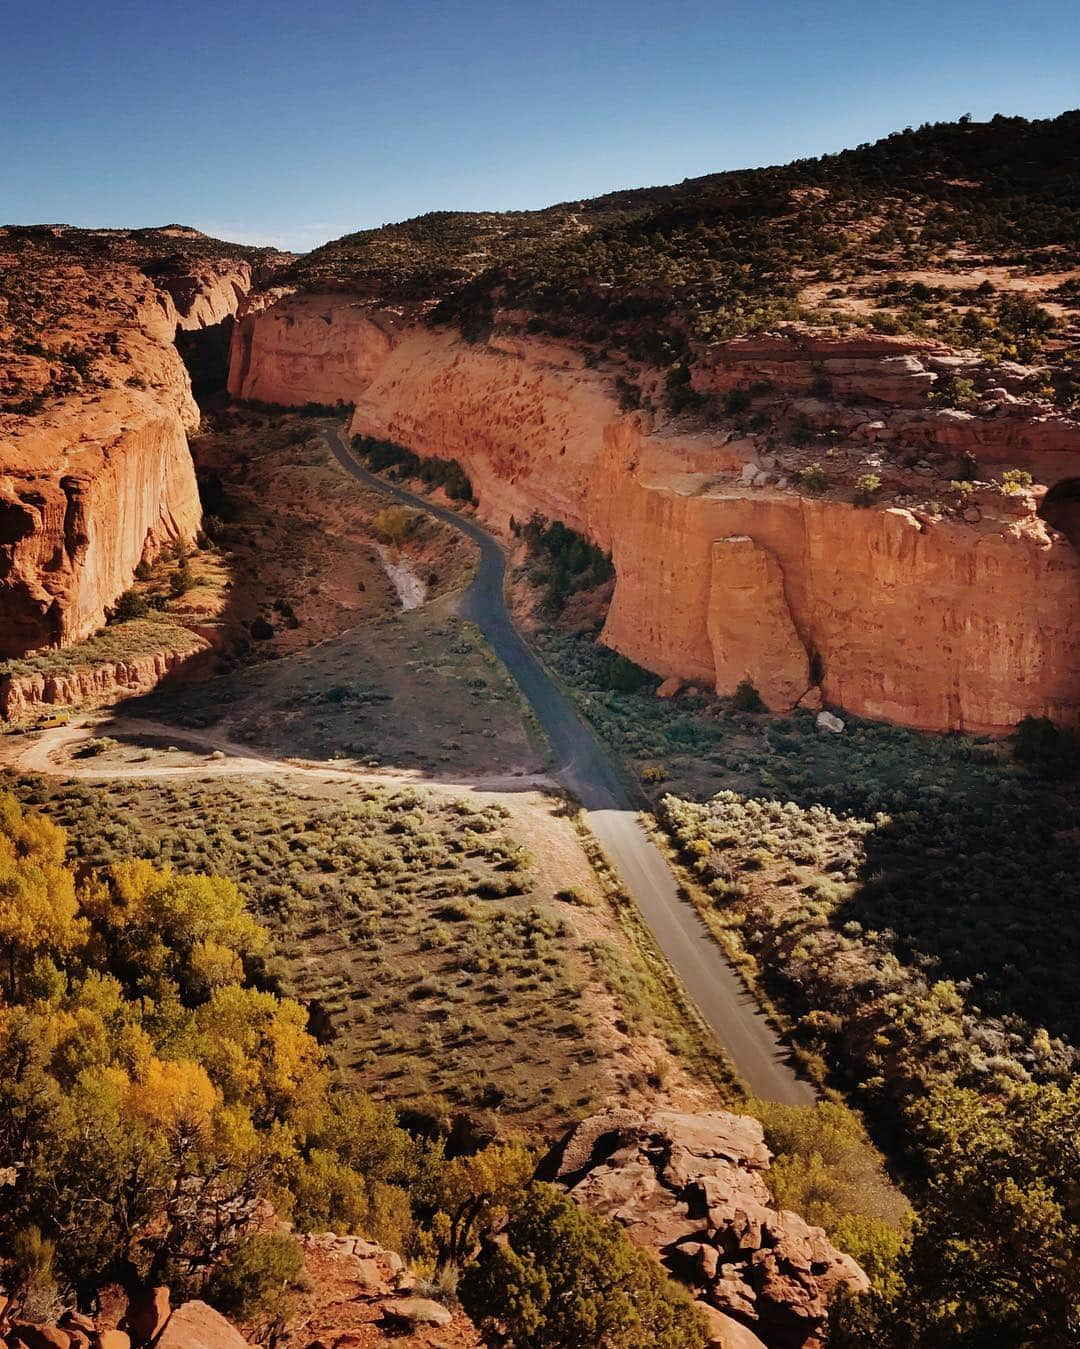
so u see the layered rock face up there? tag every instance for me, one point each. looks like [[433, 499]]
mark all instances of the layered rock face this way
[[690, 1188], [100, 478], [725, 571]]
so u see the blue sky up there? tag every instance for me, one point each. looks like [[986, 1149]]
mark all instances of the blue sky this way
[[295, 122]]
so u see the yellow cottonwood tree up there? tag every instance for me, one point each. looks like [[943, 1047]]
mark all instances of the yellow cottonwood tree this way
[[39, 913]]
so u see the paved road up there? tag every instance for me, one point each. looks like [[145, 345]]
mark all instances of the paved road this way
[[586, 770]]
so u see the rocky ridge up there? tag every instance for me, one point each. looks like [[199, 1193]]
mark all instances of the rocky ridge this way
[[692, 1189]]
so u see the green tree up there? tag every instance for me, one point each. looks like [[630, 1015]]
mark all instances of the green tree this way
[[567, 1279], [994, 1260], [130, 605], [471, 1195]]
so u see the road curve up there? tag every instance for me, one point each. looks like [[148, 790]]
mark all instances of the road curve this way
[[585, 768]]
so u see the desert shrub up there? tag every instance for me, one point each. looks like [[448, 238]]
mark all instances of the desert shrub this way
[[395, 523], [814, 479], [1015, 481], [867, 489], [623, 675], [181, 582], [33, 1261], [747, 699], [953, 391], [256, 1275], [260, 629], [826, 1169], [100, 744], [130, 605]]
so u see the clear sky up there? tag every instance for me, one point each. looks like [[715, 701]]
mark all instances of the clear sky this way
[[293, 122]]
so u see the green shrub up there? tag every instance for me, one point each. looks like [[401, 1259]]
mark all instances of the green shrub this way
[[747, 699], [1015, 481], [953, 391], [130, 605], [814, 479], [566, 1277], [570, 562], [867, 489], [258, 1273], [624, 676]]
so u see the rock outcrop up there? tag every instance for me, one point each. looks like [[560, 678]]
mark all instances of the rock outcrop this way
[[95, 471], [690, 1188], [21, 695], [899, 611]]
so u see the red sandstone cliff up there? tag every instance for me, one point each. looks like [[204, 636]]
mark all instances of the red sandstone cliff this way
[[95, 472], [724, 570]]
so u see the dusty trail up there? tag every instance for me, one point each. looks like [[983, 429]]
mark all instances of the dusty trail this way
[[52, 753], [585, 769]]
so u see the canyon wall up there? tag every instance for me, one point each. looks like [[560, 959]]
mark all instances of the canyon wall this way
[[724, 570], [102, 479]]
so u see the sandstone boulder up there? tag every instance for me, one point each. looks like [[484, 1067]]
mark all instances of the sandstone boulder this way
[[111, 1339], [691, 1188], [416, 1311], [825, 721], [727, 1333], [195, 1325], [30, 1336]]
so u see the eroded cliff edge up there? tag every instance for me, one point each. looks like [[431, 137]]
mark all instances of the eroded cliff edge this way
[[726, 568], [95, 471]]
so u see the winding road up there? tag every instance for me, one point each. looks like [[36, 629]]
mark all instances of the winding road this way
[[585, 769]]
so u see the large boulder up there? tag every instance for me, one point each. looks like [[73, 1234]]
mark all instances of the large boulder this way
[[691, 1189], [409, 1312], [196, 1325], [30, 1336]]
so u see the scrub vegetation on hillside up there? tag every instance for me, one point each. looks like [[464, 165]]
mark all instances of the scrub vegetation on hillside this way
[[651, 273]]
